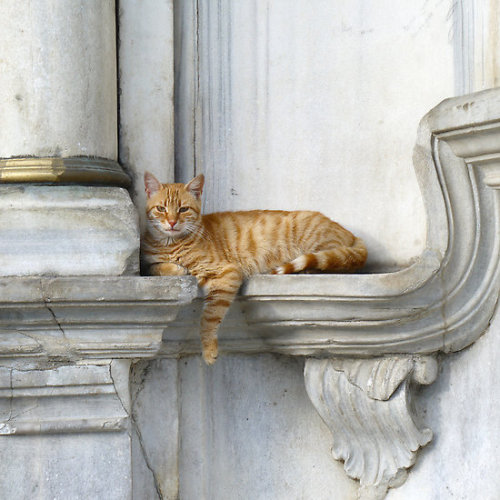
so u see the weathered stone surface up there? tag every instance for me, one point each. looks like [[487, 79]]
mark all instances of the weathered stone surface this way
[[58, 78], [67, 230], [156, 417], [64, 433], [71, 318], [68, 421], [248, 430]]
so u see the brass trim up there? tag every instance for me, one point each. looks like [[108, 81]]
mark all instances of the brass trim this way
[[75, 170]]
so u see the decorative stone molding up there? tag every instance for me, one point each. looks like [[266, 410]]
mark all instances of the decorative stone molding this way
[[66, 320], [365, 403], [84, 395], [66, 348], [78, 170]]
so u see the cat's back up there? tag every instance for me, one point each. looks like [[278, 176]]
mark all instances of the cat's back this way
[[267, 218], [239, 222], [244, 216], [273, 227]]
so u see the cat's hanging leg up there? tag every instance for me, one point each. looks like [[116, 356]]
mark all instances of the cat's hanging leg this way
[[220, 293]]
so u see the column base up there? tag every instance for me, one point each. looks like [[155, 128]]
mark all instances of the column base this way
[[65, 432], [67, 231]]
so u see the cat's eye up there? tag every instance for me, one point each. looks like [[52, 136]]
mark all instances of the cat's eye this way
[[160, 208], [183, 209]]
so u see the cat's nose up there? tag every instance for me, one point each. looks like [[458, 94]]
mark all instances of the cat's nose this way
[[172, 223]]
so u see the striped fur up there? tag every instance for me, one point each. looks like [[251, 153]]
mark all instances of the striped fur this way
[[222, 249]]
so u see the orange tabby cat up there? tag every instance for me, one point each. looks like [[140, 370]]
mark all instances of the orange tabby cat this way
[[221, 249]]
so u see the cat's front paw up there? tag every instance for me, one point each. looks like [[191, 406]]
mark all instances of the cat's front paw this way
[[167, 269], [210, 352]]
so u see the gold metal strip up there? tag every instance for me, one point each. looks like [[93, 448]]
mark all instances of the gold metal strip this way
[[75, 170]]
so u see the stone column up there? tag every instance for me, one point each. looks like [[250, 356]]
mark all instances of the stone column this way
[[63, 206]]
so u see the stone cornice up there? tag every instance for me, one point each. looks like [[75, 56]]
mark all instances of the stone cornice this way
[[69, 319]]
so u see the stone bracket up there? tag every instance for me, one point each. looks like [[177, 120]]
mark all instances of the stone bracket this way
[[366, 405]]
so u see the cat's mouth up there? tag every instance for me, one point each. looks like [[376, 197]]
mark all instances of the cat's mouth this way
[[173, 231]]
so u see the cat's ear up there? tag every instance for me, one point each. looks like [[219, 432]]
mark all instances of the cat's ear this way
[[151, 183], [195, 187]]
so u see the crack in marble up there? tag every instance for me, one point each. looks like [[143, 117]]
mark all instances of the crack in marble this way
[[135, 428], [46, 302]]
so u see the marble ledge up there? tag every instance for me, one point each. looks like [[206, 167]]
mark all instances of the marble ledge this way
[[441, 303], [70, 318], [67, 319]]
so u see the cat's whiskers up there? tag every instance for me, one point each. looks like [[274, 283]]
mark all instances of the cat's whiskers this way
[[155, 227], [197, 229]]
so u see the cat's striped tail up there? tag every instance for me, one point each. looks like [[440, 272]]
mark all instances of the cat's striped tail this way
[[341, 258]]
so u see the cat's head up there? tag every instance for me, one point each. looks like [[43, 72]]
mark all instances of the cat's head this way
[[173, 210]]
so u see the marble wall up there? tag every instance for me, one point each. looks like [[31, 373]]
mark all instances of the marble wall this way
[[315, 105], [304, 104], [146, 88]]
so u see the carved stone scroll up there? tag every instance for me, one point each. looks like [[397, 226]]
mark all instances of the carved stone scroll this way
[[366, 405]]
